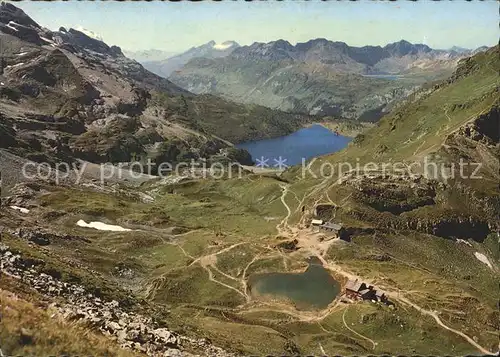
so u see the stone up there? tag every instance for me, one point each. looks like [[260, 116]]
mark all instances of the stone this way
[[162, 333], [114, 303], [122, 335], [39, 239], [172, 352], [114, 326], [133, 335], [138, 346]]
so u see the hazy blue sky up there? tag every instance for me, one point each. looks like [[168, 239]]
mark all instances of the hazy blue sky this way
[[178, 26]]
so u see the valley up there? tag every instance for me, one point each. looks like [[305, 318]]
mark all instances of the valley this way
[[260, 262], [200, 271]]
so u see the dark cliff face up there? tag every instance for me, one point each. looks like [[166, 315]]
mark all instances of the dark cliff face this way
[[422, 206], [403, 48], [368, 55], [78, 40], [488, 126], [9, 12], [7, 135], [273, 51], [15, 22]]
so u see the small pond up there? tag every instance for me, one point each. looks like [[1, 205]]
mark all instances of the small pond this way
[[315, 288]]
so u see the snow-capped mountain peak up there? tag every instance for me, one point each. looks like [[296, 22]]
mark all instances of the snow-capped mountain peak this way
[[224, 45], [89, 33]]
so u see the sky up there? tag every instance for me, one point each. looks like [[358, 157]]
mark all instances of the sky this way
[[178, 26]]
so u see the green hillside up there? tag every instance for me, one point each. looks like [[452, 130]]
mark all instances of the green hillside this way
[[195, 245]]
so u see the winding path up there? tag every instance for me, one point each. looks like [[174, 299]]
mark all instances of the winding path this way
[[434, 315], [211, 278], [357, 333], [284, 223]]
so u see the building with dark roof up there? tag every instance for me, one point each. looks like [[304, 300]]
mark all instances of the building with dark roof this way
[[353, 288]]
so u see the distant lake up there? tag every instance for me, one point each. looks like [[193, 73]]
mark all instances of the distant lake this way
[[313, 289], [306, 143], [391, 77]]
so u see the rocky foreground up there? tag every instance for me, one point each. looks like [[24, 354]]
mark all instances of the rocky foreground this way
[[74, 302]]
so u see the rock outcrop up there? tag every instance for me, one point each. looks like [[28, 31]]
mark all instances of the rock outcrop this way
[[131, 330]]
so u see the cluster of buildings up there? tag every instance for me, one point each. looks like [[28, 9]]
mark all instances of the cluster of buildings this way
[[354, 289], [358, 290], [333, 228]]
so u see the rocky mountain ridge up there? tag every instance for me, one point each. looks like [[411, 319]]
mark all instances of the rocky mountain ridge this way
[[342, 57], [319, 76], [66, 95], [166, 66], [148, 55]]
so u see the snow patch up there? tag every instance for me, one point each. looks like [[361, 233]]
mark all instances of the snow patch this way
[[20, 209], [222, 46], [47, 40], [9, 25], [315, 110], [101, 226], [22, 53], [146, 198], [13, 28], [464, 242], [14, 65], [483, 259], [89, 33]]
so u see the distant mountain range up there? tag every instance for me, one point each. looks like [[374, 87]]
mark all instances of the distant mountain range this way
[[316, 77], [166, 66], [468, 50], [148, 55]]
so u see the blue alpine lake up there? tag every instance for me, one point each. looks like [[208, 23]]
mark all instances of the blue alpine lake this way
[[305, 143]]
